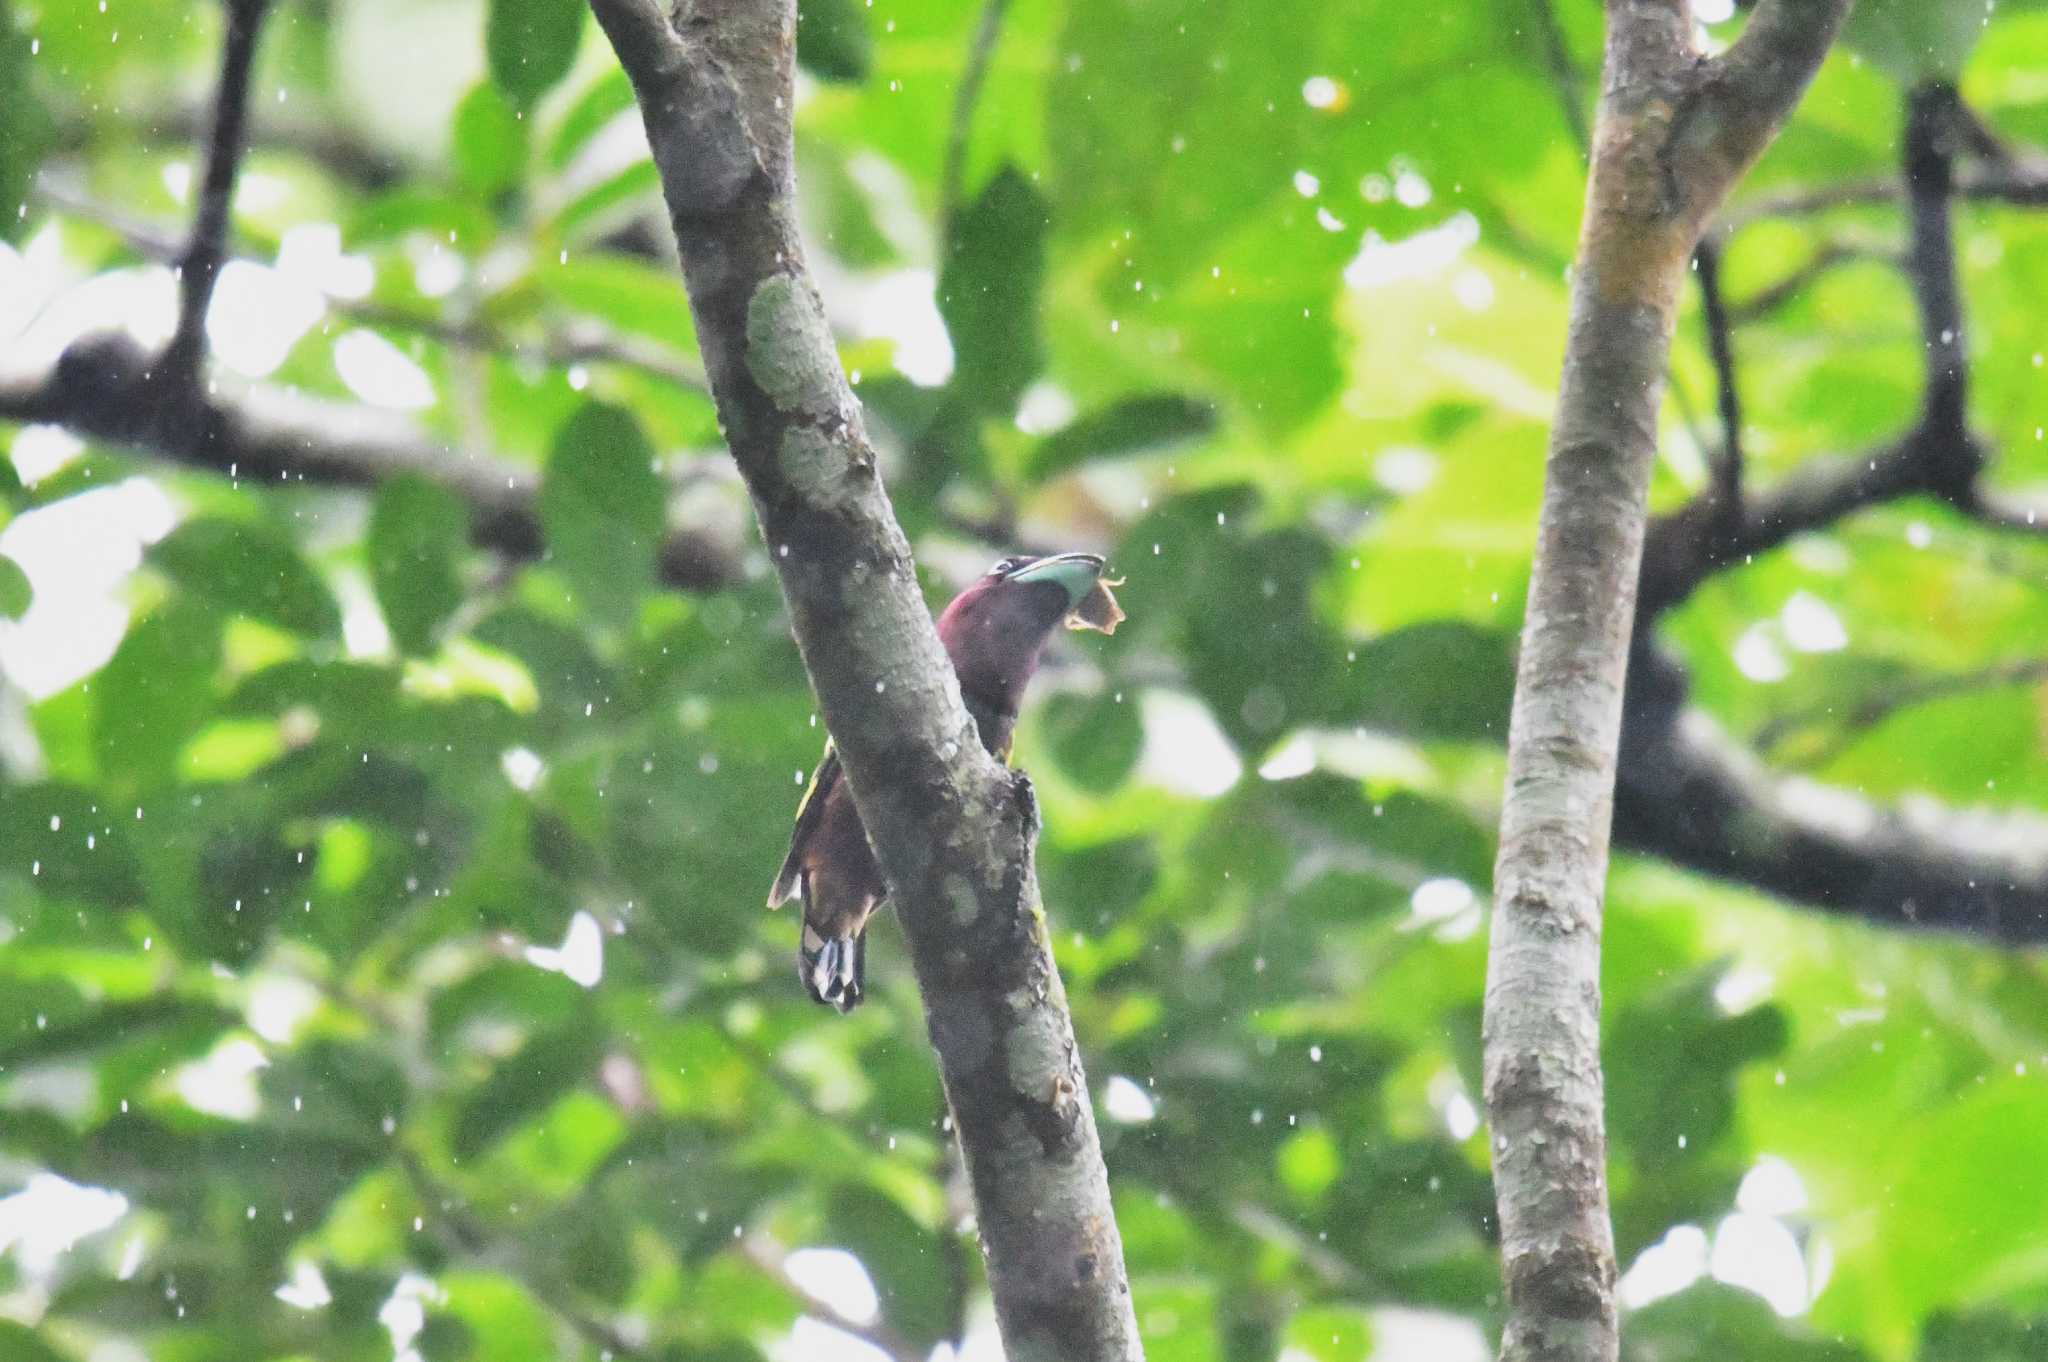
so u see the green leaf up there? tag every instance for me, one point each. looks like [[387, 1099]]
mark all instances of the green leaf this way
[[489, 142], [1442, 680], [608, 96], [24, 128], [1712, 1320], [155, 692], [901, 1256], [631, 295], [1331, 1333], [832, 40], [15, 592], [1096, 738], [1915, 40], [1134, 425], [531, 44], [416, 537], [989, 293], [1955, 1233], [601, 505], [251, 570], [524, 1085], [19, 1343]]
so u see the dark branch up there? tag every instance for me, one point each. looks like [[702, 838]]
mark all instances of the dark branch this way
[[2019, 184], [201, 263], [1727, 485], [1929, 168], [103, 389], [1692, 795]]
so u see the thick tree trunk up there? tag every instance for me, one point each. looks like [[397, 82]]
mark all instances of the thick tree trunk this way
[[953, 830], [1673, 134]]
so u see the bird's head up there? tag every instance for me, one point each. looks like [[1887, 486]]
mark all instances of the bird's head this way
[[996, 628]]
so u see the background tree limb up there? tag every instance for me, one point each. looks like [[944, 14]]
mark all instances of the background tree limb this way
[[1692, 794]]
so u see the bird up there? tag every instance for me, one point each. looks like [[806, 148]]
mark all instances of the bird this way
[[994, 632]]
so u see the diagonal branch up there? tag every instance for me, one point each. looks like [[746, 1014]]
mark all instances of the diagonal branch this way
[[1696, 797], [2016, 183], [1794, 282], [1691, 794], [1564, 73], [954, 832], [953, 174], [773, 1260]]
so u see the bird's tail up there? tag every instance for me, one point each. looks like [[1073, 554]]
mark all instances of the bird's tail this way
[[833, 968]]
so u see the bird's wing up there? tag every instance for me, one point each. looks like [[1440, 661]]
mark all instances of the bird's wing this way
[[789, 881]]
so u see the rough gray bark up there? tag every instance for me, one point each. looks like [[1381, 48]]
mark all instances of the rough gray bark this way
[[954, 831], [1673, 134]]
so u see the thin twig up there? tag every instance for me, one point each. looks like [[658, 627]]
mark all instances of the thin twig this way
[[1721, 345], [460, 1230], [335, 147], [770, 1257], [1830, 255], [2020, 183], [1564, 73], [577, 343], [201, 262], [1873, 710], [954, 171]]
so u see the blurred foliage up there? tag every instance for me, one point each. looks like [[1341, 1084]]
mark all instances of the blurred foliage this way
[[308, 872]]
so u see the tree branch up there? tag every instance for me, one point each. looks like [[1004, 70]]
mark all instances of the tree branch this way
[[1685, 547], [102, 389], [2017, 183], [953, 830], [1932, 111], [1672, 135], [201, 263], [1694, 796]]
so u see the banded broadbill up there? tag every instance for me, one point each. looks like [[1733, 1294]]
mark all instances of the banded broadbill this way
[[994, 632]]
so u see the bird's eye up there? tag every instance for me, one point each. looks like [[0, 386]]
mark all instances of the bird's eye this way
[[1005, 566]]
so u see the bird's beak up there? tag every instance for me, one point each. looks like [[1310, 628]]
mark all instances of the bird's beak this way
[[1076, 573]]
